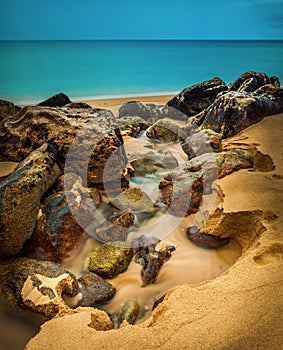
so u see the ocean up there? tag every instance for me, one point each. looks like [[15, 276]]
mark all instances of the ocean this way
[[32, 71]]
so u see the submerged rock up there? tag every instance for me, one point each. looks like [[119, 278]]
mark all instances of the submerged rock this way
[[196, 98], [58, 100], [152, 162], [151, 253], [7, 109], [165, 131], [20, 195], [93, 289], [110, 259], [98, 139], [132, 125], [37, 285], [147, 111], [233, 111], [128, 312], [204, 240], [205, 141]]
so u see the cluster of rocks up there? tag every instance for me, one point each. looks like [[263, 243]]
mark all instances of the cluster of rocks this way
[[45, 215]]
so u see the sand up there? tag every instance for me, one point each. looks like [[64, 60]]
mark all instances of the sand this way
[[242, 308]]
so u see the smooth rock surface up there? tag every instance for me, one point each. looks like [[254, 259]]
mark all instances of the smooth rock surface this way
[[58, 100], [20, 195]]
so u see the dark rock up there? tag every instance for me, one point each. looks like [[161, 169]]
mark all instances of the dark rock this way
[[151, 162], [181, 192], [128, 312], [37, 285], [233, 111], [274, 81], [110, 259], [204, 240], [78, 105], [165, 131], [132, 126], [147, 111], [20, 195], [58, 100], [98, 139], [151, 253], [157, 302], [7, 109], [196, 98], [94, 289], [249, 81], [205, 141], [116, 228]]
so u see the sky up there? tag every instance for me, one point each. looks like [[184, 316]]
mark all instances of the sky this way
[[141, 19]]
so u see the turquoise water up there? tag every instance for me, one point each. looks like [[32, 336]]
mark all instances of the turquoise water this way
[[31, 71]]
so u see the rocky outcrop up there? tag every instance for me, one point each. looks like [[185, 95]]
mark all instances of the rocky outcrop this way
[[250, 81], [204, 141], [98, 139], [147, 111], [196, 98], [7, 109], [37, 285], [110, 259], [58, 100], [165, 131], [132, 125], [20, 195], [151, 253]]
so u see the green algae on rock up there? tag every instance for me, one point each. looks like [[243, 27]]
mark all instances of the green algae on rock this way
[[20, 195], [110, 259], [37, 285]]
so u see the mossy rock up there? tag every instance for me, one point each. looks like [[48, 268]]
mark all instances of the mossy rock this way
[[109, 260]]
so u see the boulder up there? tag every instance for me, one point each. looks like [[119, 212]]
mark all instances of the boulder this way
[[20, 195], [204, 240], [78, 105], [151, 253], [7, 109], [196, 98], [128, 312], [151, 162], [93, 289], [250, 81], [204, 141], [98, 139], [58, 100], [165, 131], [110, 259], [37, 285], [147, 111], [132, 125], [233, 111]]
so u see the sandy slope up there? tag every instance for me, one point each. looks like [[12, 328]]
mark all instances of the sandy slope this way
[[242, 309]]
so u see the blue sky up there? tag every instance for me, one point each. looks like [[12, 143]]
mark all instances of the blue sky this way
[[143, 19]]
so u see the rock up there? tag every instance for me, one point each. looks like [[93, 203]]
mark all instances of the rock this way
[[205, 141], [151, 162], [132, 125], [93, 289], [20, 195], [274, 81], [7, 109], [165, 131], [205, 241], [57, 232], [181, 192], [157, 302], [110, 259], [233, 111], [196, 98], [147, 111], [249, 81], [98, 139], [78, 105], [58, 100], [151, 253], [128, 312], [116, 228], [37, 285], [134, 200]]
